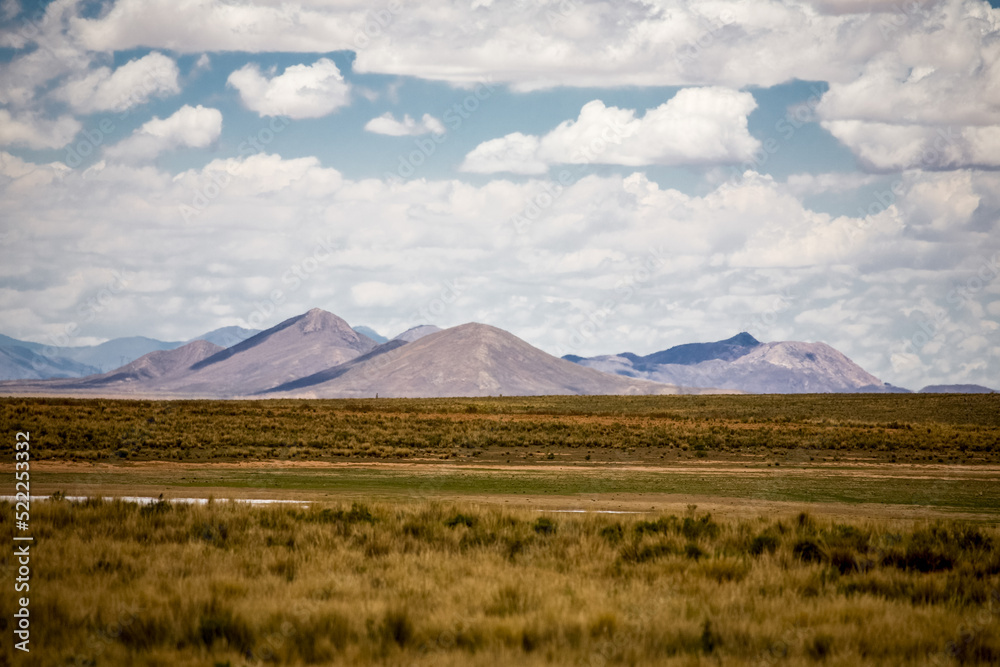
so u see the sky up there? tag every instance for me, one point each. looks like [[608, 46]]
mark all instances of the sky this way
[[593, 176]]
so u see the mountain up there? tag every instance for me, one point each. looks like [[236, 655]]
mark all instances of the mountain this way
[[335, 372], [25, 359], [295, 348], [134, 378], [158, 366], [22, 363], [745, 364], [467, 360], [116, 352], [319, 354], [371, 333], [694, 353], [417, 332], [21, 359], [956, 389]]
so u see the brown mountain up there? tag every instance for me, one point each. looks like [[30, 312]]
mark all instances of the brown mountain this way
[[297, 347], [787, 367], [136, 377], [467, 360]]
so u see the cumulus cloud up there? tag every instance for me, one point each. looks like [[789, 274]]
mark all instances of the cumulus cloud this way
[[516, 153], [188, 127], [892, 147], [545, 44], [651, 265], [32, 131], [130, 85], [216, 25], [933, 101], [696, 126], [302, 91], [387, 124]]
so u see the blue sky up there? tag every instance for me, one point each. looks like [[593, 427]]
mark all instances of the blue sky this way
[[593, 176]]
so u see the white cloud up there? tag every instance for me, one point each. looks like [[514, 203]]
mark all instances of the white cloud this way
[[893, 147], [32, 131], [546, 44], [374, 293], [188, 127], [516, 153], [696, 126], [302, 91], [387, 124], [932, 101], [216, 25], [674, 267], [130, 85], [806, 184]]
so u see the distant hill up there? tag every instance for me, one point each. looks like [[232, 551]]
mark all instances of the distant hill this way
[[22, 363], [371, 333], [694, 353], [745, 364], [135, 378], [156, 366], [956, 389], [319, 354], [468, 360], [20, 359], [295, 348], [417, 332], [47, 361]]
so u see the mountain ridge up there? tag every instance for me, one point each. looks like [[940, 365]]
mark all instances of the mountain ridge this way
[[743, 363]]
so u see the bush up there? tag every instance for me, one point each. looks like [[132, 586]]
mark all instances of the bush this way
[[764, 542], [460, 520], [694, 528], [613, 533], [808, 551], [544, 526]]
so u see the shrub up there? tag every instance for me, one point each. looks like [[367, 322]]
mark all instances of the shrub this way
[[460, 520], [396, 627], [613, 533], [808, 551], [693, 551], [694, 528], [544, 526], [764, 542], [820, 647]]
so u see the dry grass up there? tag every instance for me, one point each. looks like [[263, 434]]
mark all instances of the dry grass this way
[[854, 428], [448, 584]]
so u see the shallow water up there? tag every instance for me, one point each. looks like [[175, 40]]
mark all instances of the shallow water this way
[[148, 500]]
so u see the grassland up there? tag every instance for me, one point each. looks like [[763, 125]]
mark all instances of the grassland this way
[[460, 584], [855, 428], [427, 537]]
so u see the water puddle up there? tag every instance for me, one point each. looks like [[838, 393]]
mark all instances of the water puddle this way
[[149, 500]]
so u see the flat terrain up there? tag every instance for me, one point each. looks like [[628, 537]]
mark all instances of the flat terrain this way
[[834, 530]]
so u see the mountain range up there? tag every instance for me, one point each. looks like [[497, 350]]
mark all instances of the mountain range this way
[[319, 355], [745, 364]]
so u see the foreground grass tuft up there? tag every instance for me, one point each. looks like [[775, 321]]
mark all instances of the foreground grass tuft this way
[[457, 584]]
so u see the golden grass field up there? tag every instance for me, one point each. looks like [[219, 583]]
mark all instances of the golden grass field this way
[[818, 530]]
